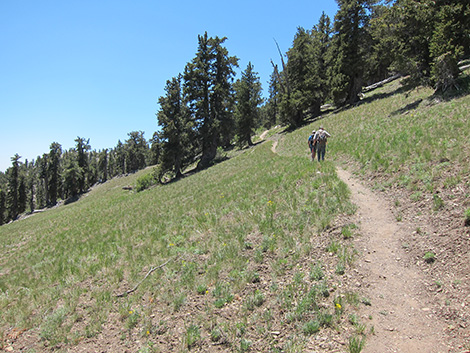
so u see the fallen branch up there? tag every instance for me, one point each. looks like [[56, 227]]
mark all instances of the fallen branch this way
[[138, 284]]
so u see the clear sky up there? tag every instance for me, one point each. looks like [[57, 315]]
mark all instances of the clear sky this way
[[96, 68]]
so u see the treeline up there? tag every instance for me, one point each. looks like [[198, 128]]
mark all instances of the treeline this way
[[368, 41], [205, 109], [66, 174]]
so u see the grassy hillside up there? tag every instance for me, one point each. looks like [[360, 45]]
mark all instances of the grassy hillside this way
[[252, 253]]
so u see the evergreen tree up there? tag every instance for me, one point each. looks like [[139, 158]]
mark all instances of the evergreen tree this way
[[384, 46], [42, 198], [53, 171], [450, 41], [349, 48], [136, 151], [222, 97], [300, 75], [103, 165], [176, 131], [31, 182], [155, 149], [270, 111], [248, 99], [13, 186], [22, 197], [120, 158], [414, 29], [206, 86], [82, 148], [2, 207], [321, 42], [73, 176]]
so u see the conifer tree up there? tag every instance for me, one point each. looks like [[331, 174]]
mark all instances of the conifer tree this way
[[103, 165], [176, 130], [120, 158], [2, 207], [53, 171], [450, 41], [222, 97], [321, 42], [22, 197], [82, 148], [207, 89], [155, 149], [300, 72], [13, 185], [248, 99], [348, 50], [270, 109], [136, 151]]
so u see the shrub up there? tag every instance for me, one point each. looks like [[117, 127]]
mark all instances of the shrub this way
[[429, 257], [144, 182]]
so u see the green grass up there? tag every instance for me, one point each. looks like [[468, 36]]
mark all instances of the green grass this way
[[68, 264], [422, 149], [232, 236]]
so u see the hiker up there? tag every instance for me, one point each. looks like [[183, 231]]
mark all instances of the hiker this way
[[312, 145], [320, 139]]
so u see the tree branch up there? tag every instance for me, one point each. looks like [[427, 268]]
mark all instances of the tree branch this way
[[138, 284]]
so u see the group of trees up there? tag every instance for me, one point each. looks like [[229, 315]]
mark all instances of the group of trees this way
[[368, 41], [205, 108], [65, 174]]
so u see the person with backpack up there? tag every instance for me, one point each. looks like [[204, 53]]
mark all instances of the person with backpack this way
[[320, 139], [312, 145]]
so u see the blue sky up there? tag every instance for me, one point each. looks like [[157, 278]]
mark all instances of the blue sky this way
[[96, 69]]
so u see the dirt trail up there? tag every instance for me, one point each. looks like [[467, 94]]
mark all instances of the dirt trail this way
[[400, 310]]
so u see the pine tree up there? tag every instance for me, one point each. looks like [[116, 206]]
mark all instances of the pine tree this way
[[136, 151], [22, 196], [299, 70], [207, 89], [13, 185], [82, 148], [384, 44], [73, 176], [176, 131], [42, 198], [2, 207], [120, 158], [103, 165], [248, 99], [53, 171], [414, 28], [155, 149], [270, 111], [321, 42], [349, 50], [222, 97], [450, 41]]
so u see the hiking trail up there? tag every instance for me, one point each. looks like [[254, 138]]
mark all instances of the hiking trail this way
[[401, 311]]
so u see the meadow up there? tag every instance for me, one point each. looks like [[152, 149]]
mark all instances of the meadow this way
[[250, 254]]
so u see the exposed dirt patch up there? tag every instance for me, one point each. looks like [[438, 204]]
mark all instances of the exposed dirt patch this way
[[400, 311], [418, 304]]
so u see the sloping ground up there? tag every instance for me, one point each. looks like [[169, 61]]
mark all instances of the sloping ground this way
[[283, 244], [442, 283], [401, 312]]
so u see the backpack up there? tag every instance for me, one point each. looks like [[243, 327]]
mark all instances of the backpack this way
[[310, 139], [321, 137]]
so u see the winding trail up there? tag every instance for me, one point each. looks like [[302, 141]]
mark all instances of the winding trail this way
[[400, 310]]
